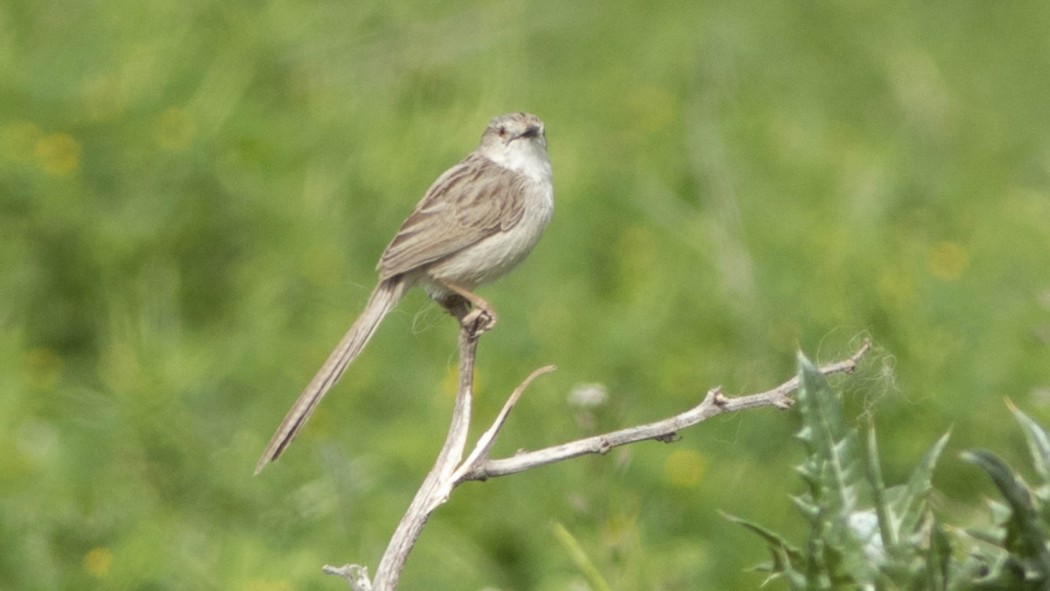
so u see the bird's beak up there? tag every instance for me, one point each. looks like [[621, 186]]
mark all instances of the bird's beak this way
[[531, 132]]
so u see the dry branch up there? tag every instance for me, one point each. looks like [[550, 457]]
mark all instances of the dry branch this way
[[450, 470]]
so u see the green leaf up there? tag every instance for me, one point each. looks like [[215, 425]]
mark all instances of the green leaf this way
[[939, 556], [909, 506], [1038, 444], [823, 421], [834, 458], [781, 548], [886, 522], [835, 473], [1025, 535], [579, 557]]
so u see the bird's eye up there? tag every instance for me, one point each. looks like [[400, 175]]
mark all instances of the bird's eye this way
[[502, 131]]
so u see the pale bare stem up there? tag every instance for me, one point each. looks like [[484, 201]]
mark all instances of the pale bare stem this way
[[715, 403], [450, 471], [488, 438], [436, 486]]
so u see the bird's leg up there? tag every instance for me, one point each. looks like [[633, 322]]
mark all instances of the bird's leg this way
[[455, 305], [473, 312]]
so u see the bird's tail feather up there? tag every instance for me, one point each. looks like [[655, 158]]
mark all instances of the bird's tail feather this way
[[385, 296]]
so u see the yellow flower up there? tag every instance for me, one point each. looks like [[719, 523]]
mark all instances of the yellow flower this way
[[684, 468], [948, 260], [98, 561], [57, 153]]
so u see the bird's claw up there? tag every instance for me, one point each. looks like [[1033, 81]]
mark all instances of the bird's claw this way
[[478, 321]]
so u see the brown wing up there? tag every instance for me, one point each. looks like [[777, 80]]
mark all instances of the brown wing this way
[[471, 201]]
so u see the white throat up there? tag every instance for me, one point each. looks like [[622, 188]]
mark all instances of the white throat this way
[[522, 155]]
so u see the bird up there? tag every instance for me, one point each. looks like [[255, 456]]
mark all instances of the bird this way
[[476, 222]]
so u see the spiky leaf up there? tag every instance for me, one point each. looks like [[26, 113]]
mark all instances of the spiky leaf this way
[[835, 473], [785, 556], [1038, 444], [1029, 560], [909, 503]]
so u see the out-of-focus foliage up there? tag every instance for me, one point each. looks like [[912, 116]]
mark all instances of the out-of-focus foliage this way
[[1015, 554], [865, 535], [193, 196]]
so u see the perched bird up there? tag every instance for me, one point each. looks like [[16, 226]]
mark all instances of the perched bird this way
[[478, 221]]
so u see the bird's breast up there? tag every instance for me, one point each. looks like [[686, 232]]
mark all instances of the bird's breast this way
[[494, 256]]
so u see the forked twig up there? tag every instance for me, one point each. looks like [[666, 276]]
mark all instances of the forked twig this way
[[450, 470]]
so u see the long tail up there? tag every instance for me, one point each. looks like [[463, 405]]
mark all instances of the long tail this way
[[385, 296]]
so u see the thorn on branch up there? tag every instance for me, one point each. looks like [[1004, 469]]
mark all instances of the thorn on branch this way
[[854, 361], [717, 396], [355, 575]]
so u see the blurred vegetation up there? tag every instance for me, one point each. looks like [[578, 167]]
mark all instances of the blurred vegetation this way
[[865, 535], [193, 196]]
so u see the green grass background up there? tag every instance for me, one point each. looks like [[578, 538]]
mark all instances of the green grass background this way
[[193, 195]]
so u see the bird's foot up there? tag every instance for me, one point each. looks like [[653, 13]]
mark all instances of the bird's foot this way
[[478, 321]]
